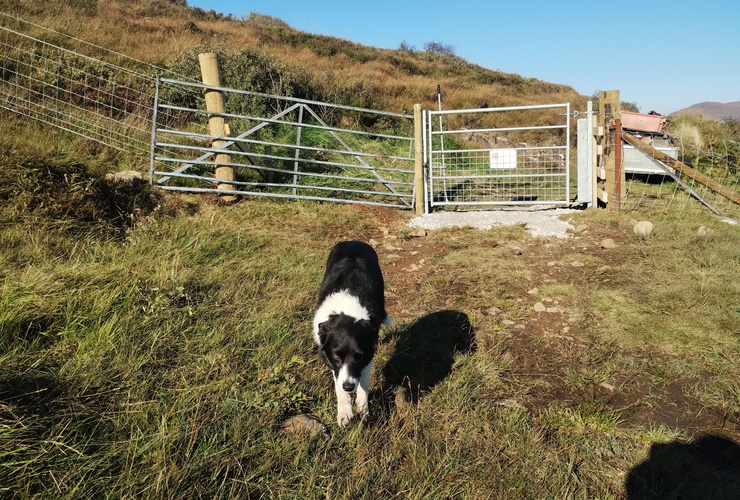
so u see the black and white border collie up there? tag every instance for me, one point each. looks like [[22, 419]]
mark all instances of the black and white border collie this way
[[349, 313]]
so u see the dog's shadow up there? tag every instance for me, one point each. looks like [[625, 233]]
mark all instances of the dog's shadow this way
[[424, 353]]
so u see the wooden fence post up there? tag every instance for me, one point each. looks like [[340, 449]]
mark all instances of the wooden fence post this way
[[418, 161], [217, 125], [614, 190]]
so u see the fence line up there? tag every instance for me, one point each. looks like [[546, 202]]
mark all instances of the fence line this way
[[282, 147], [114, 105], [72, 91], [656, 193]]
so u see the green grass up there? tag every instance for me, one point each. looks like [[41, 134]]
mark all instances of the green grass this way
[[154, 353]]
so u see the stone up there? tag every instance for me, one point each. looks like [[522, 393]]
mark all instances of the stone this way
[[643, 228], [125, 176], [305, 425], [540, 307], [417, 232], [703, 232], [608, 244], [511, 403]]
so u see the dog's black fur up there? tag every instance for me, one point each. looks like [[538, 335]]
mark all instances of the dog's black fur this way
[[350, 311]]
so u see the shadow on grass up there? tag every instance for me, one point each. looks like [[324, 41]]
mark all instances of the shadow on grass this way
[[425, 351], [708, 467]]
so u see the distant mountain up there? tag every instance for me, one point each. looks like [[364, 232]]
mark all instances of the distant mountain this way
[[716, 110]]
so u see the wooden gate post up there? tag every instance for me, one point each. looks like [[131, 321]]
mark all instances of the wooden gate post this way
[[418, 161], [217, 126], [610, 115]]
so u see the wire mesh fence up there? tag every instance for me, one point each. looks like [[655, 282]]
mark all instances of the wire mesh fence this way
[[63, 87], [706, 177], [282, 147]]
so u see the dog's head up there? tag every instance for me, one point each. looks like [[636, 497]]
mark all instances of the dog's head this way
[[347, 345]]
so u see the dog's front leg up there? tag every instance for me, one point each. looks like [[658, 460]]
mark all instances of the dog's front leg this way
[[363, 392], [344, 405]]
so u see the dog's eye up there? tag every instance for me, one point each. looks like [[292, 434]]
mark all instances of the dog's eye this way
[[336, 356]]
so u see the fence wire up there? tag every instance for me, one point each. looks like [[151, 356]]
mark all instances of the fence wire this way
[[656, 193], [75, 92]]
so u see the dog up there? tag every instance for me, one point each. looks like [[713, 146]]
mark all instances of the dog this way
[[346, 325]]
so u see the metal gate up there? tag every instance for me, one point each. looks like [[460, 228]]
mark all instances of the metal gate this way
[[498, 156], [281, 147]]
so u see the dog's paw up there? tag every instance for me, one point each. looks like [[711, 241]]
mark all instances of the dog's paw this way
[[344, 415], [363, 410]]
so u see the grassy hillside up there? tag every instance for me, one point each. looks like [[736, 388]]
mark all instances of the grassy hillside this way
[[163, 32]]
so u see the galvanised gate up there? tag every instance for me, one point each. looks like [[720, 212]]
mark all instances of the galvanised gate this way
[[498, 156]]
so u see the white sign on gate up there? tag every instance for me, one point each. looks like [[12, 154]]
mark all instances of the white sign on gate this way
[[503, 158]]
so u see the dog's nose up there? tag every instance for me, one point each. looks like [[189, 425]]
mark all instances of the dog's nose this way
[[348, 386]]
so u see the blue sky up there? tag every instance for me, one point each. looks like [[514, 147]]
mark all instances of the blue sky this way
[[663, 56]]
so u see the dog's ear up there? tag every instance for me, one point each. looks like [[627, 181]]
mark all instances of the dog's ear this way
[[323, 331]]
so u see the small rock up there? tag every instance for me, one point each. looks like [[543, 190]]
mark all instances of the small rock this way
[[540, 307], [577, 264], [306, 425], [704, 232], [533, 291], [417, 232], [553, 309], [551, 263], [493, 311], [511, 403], [516, 251], [608, 244], [126, 176], [507, 358], [608, 387], [643, 228], [508, 322], [383, 231]]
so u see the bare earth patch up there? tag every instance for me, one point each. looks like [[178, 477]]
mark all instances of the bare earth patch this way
[[547, 346]]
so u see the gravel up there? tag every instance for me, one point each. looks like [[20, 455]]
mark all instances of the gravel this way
[[539, 221]]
